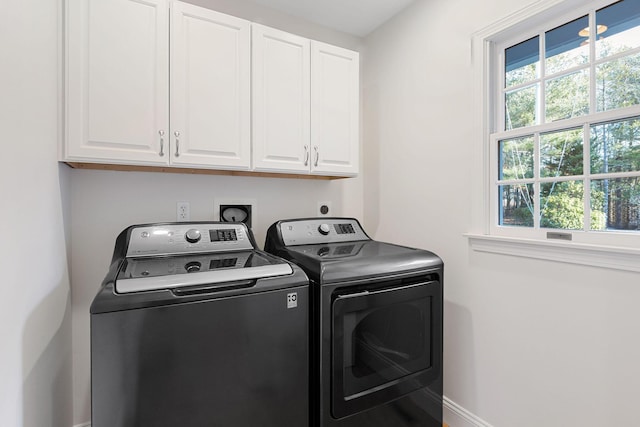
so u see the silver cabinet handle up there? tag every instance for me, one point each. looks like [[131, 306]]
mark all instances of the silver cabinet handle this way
[[161, 133], [177, 135], [317, 155], [306, 155]]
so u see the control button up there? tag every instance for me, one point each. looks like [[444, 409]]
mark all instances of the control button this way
[[324, 229], [193, 235], [144, 234], [192, 266], [324, 251]]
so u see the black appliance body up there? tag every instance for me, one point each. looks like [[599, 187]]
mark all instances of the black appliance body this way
[[194, 326], [376, 316]]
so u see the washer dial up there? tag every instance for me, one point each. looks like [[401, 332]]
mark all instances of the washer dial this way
[[192, 235], [324, 229]]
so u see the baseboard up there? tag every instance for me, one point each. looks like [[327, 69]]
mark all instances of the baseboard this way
[[457, 416]]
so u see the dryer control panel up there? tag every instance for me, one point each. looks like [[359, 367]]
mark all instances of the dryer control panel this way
[[173, 239], [321, 230]]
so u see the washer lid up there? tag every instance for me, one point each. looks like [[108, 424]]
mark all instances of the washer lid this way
[[170, 272], [337, 262]]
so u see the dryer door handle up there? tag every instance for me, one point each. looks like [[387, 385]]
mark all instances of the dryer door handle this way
[[354, 295]]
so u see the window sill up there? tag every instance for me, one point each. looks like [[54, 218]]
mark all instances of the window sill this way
[[612, 257]]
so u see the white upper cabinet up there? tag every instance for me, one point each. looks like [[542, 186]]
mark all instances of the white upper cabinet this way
[[167, 83], [210, 88], [117, 74], [335, 110], [281, 100], [305, 105], [119, 88]]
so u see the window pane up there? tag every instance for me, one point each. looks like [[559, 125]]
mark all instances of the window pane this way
[[567, 96], [618, 83], [616, 203], [565, 48], [520, 106], [521, 62], [516, 158], [561, 153], [516, 205], [561, 205], [615, 147], [618, 27]]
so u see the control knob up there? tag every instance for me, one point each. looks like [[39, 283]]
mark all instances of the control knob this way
[[192, 235], [192, 267], [324, 229]]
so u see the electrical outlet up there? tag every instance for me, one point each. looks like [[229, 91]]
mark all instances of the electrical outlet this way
[[183, 211], [324, 209]]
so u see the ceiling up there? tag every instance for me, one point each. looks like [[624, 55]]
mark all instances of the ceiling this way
[[357, 17]]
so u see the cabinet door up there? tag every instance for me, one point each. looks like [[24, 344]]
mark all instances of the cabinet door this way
[[334, 110], [117, 81], [281, 100], [210, 88]]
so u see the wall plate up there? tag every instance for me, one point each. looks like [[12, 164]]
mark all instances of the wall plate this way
[[235, 210], [236, 213]]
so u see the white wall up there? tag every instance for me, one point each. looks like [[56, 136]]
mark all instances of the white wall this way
[[35, 369], [527, 343], [103, 203], [254, 12]]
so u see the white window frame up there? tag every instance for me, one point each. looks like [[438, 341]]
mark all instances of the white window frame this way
[[610, 249]]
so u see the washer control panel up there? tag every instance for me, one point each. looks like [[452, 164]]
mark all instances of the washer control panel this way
[[321, 230], [174, 239]]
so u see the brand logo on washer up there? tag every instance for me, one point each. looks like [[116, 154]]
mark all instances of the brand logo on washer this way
[[292, 300]]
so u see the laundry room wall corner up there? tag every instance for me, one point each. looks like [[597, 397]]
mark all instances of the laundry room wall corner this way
[[35, 361]]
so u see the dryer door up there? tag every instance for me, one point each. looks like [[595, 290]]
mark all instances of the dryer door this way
[[386, 343]]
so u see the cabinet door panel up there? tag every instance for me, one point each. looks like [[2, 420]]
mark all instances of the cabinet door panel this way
[[334, 110], [281, 100], [117, 74], [210, 88]]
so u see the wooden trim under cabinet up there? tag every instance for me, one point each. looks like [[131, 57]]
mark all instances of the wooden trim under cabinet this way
[[132, 168]]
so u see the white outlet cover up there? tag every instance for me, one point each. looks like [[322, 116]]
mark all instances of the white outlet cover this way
[[183, 211]]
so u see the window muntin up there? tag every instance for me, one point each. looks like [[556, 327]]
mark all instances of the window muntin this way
[[612, 177], [551, 175]]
